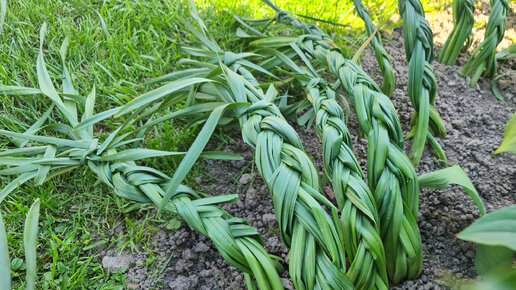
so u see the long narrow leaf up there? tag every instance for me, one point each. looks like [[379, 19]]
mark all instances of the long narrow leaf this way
[[45, 83], [136, 154], [82, 144], [158, 93], [15, 183], [5, 264], [30, 241], [34, 127], [18, 91], [195, 150]]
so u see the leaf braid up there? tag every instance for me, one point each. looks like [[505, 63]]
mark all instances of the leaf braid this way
[[359, 217], [314, 237], [460, 37], [380, 53], [392, 177], [238, 243], [359, 214], [317, 252], [422, 87], [484, 56]]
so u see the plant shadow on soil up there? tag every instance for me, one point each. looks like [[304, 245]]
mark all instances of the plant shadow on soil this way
[[475, 122]]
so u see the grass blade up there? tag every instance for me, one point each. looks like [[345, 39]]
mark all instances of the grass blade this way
[[3, 12]]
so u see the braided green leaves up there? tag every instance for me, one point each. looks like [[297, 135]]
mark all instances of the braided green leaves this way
[[47, 157], [379, 51], [460, 37], [422, 86], [317, 252], [317, 256], [359, 215], [392, 177], [484, 56]]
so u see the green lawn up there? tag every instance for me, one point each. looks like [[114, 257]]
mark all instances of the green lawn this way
[[116, 46]]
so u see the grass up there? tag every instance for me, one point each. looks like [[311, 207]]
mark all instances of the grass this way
[[116, 45]]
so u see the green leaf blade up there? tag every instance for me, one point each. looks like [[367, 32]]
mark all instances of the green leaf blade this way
[[497, 228], [509, 137], [5, 264], [30, 240]]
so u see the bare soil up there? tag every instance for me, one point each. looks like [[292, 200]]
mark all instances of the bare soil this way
[[475, 122]]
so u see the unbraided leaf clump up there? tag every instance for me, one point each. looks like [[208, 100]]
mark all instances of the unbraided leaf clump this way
[[484, 56], [422, 87], [460, 37], [80, 146]]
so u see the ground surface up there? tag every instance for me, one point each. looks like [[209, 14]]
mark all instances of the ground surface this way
[[475, 121]]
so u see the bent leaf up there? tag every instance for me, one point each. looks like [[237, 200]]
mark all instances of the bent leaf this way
[[158, 94], [440, 179]]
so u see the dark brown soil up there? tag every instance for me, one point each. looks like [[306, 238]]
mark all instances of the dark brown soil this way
[[475, 121]]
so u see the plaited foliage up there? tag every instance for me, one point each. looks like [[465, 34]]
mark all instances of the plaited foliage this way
[[484, 56], [359, 217], [460, 37], [47, 157], [422, 86], [315, 239], [391, 175], [379, 51]]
